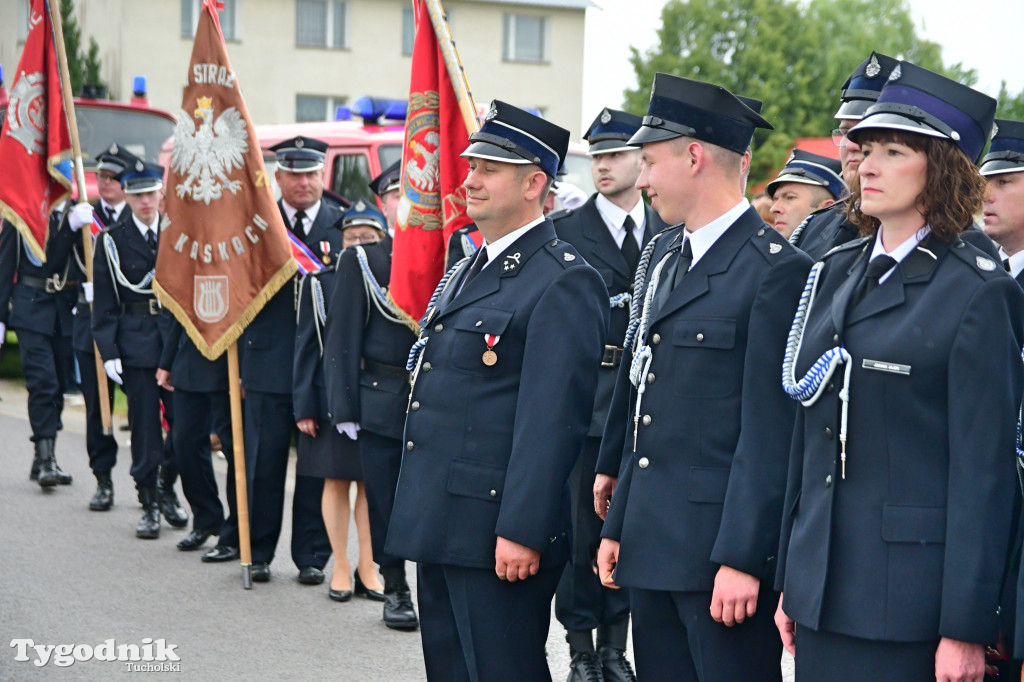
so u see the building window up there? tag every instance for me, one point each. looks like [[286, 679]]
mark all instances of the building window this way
[[321, 23], [317, 107], [409, 28], [190, 18], [23, 20], [525, 38]]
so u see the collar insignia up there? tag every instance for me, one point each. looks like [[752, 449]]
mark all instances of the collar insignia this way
[[986, 264]]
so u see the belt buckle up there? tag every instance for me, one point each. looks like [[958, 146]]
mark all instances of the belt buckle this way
[[609, 352], [154, 306], [50, 285]]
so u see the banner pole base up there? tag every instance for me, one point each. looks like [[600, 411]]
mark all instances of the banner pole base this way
[[247, 576]]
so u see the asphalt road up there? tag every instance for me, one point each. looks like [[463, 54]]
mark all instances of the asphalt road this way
[[69, 576]]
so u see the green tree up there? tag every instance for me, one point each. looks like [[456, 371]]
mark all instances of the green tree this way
[[794, 57], [1010, 106], [83, 67]]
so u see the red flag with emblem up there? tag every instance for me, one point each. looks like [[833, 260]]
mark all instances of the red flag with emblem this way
[[35, 136], [224, 249], [433, 201]]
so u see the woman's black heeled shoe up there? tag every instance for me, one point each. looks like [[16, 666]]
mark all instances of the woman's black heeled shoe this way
[[362, 590]]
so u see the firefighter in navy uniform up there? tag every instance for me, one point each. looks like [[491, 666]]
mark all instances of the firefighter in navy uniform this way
[[36, 300], [101, 447], [129, 327], [502, 396], [365, 350], [693, 524], [266, 373], [609, 231]]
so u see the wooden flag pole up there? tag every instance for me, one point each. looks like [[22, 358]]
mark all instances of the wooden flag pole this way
[[76, 149], [241, 488], [456, 72]]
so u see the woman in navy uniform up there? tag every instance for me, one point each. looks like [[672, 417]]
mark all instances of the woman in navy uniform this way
[[323, 452], [901, 486]]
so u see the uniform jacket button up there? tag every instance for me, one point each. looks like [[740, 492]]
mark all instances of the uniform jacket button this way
[[410, 445], [828, 433], [646, 420], [643, 462], [650, 378], [438, 327], [656, 339], [828, 481], [700, 337], [426, 367], [494, 493], [415, 405]]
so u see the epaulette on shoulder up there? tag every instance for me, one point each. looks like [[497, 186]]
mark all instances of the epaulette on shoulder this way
[[561, 213], [977, 260], [848, 246], [564, 253], [769, 243]]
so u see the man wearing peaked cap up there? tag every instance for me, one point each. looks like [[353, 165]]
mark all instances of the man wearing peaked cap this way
[[505, 374], [267, 376], [366, 344], [609, 231], [362, 224], [697, 417], [807, 183]]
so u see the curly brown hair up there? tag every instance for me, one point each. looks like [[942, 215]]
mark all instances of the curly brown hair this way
[[953, 191]]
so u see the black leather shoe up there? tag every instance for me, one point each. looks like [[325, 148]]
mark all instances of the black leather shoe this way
[[399, 613], [340, 595], [149, 525], [47, 463], [585, 666], [195, 540], [103, 500], [311, 575], [362, 590], [221, 553], [261, 572], [168, 499], [62, 478], [615, 665]]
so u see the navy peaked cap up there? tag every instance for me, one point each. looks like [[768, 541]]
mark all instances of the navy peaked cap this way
[[921, 101], [611, 130], [389, 179], [861, 89], [140, 177], [811, 169], [114, 159], [300, 154], [512, 135], [1006, 152], [681, 106], [364, 213]]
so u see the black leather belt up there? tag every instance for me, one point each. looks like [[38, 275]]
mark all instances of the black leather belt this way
[[612, 356], [382, 370], [47, 284], [148, 307]]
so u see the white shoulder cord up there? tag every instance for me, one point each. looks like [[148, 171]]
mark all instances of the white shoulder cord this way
[[114, 261]]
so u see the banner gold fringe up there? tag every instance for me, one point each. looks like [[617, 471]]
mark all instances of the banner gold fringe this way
[[412, 324], [280, 278]]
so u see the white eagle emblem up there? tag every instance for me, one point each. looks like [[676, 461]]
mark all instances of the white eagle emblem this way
[[206, 156], [426, 175]]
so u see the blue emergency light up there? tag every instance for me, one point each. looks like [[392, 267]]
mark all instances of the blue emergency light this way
[[342, 113], [1, 74], [372, 109], [139, 86]]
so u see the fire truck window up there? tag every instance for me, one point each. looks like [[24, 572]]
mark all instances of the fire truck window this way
[[140, 132], [388, 154], [350, 177]]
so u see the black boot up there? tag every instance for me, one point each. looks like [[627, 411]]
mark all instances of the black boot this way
[[46, 462], [611, 650], [62, 478], [104, 497], [168, 500], [149, 524], [584, 665], [399, 613]]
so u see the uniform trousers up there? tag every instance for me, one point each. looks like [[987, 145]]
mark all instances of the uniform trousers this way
[[382, 461], [841, 658], [269, 427], [581, 601], [102, 448], [676, 640], [43, 357], [477, 628], [144, 398], [195, 413]]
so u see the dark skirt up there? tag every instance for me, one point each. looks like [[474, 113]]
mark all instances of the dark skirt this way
[[329, 455], [841, 658]]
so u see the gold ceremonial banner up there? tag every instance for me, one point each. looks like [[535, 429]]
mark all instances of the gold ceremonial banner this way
[[224, 251]]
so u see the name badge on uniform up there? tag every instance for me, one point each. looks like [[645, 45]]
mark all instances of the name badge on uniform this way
[[890, 367], [490, 358]]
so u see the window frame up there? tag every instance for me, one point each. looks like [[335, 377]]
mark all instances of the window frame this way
[[509, 51]]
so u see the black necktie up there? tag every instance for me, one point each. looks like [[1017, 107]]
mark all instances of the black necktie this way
[[478, 264], [629, 248], [672, 274], [111, 216], [876, 268], [300, 217], [1006, 264], [151, 238], [685, 260]]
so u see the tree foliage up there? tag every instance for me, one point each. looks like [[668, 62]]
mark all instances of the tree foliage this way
[[83, 66], [793, 56], [1010, 106]]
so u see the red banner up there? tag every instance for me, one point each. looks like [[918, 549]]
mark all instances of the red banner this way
[[224, 249], [35, 136], [433, 203]]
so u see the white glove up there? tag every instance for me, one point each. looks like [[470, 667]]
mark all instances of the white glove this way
[[3, 337], [87, 290], [113, 370], [350, 429], [80, 216]]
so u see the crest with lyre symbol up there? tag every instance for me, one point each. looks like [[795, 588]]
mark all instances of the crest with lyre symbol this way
[[210, 298]]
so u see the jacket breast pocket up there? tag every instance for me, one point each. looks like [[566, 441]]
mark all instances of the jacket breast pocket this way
[[472, 479], [471, 328], [706, 366], [382, 402], [918, 525]]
